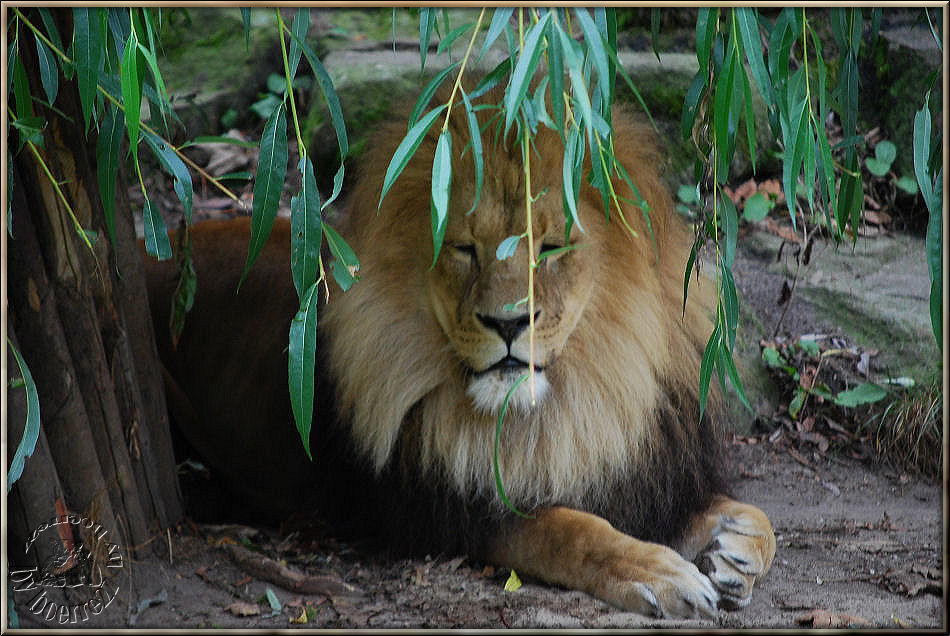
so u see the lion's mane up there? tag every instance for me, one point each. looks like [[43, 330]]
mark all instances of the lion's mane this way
[[620, 434]]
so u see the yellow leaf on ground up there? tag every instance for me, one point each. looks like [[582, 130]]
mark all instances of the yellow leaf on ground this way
[[513, 582]]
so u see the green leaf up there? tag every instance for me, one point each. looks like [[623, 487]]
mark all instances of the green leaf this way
[[809, 346], [246, 19], [299, 28], [723, 122], [49, 71], [491, 79], [772, 357], [88, 50], [218, 139], [131, 92], [31, 429], [555, 60], [499, 486], [426, 95], [156, 234], [655, 31], [21, 92], [507, 248], [173, 164], [877, 167], [427, 17], [710, 355], [406, 149], [908, 185], [336, 112], [271, 172], [306, 230], [922, 143], [756, 208], [730, 301], [795, 406], [107, 164], [525, 67], [346, 263], [886, 152], [596, 50], [730, 229], [446, 42], [689, 270], [51, 31], [725, 360], [706, 27], [273, 601], [498, 22], [747, 18], [570, 176], [441, 190], [936, 310], [690, 104], [478, 159], [302, 355], [864, 393]]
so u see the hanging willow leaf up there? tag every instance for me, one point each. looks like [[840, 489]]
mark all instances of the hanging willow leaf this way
[[346, 263], [710, 355], [499, 486], [271, 171], [306, 230], [301, 362], [596, 48], [406, 149], [31, 429], [477, 155], [173, 164], [427, 18], [156, 234], [498, 22], [524, 70], [336, 112], [747, 18], [87, 58], [441, 190], [49, 71], [299, 30], [132, 93], [107, 164], [426, 95]]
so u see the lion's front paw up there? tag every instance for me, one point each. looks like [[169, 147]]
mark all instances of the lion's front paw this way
[[668, 586], [740, 552]]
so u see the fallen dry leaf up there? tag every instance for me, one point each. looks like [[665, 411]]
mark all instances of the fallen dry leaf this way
[[243, 608], [822, 619]]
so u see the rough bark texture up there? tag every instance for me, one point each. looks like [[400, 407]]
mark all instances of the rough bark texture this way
[[82, 325]]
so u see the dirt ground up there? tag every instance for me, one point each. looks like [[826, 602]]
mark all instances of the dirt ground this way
[[858, 545]]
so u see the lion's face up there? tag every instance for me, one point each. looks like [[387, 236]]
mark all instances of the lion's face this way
[[426, 353], [481, 302]]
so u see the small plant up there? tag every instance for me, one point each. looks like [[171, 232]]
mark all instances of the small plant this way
[[801, 363]]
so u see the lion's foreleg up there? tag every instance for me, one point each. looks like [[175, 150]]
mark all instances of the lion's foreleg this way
[[581, 551], [733, 543]]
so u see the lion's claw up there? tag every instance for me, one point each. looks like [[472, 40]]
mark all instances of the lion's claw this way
[[733, 561]]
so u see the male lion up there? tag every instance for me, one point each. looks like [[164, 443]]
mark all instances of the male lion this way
[[603, 446]]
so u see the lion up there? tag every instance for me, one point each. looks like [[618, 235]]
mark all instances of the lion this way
[[616, 481]]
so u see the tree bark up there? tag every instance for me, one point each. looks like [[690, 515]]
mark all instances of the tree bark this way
[[81, 320]]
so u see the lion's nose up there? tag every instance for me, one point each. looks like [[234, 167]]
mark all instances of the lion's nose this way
[[507, 328]]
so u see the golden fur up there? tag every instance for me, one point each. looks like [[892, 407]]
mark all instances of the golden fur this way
[[608, 453], [615, 329]]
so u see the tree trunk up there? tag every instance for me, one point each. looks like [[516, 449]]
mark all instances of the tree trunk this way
[[80, 320]]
